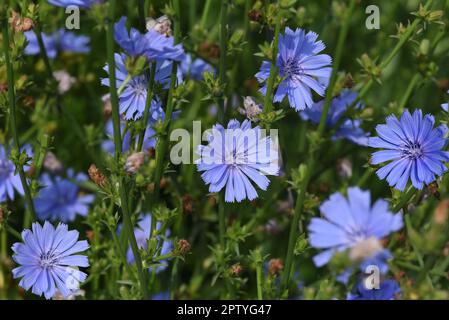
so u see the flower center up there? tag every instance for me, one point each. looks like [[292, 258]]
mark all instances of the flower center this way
[[48, 260], [139, 85], [413, 150], [291, 68]]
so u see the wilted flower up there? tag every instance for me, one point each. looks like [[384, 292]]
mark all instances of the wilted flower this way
[[236, 155], [301, 68], [161, 25], [251, 109], [59, 199], [348, 222], [65, 80], [134, 162], [48, 260], [414, 150]]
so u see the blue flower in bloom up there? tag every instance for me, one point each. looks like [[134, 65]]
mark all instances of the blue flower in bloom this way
[[149, 140], [59, 199], [236, 155], [414, 147], [349, 129], [142, 234], [444, 106], [8, 179], [132, 100], [301, 67], [387, 291], [61, 39], [165, 295], [348, 222], [48, 259], [196, 68], [153, 45], [79, 3]]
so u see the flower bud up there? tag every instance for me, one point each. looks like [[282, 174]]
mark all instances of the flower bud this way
[[96, 176], [183, 247]]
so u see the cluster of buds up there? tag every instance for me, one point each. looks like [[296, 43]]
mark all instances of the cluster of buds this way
[[19, 24], [97, 176], [134, 162], [275, 266], [161, 25]]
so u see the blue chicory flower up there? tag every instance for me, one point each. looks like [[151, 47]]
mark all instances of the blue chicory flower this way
[[349, 129], [196, 68], [85, 4], [236, 155], [348, 222], [48, 260], [387, 291], [153, 45], [414, 150], [301, 68], [60, 40], [132, 100], [59, 199]]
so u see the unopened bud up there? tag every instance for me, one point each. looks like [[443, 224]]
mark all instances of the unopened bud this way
[[96, 176], [183, 247], [134, 162], [275, 266]]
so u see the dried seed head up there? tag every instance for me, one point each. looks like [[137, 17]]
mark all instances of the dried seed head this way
[[236, 269], [51, 163], [134, 162], [275, 266], [96, 176], [441, 212], [187, 204], [255, 15], [107, 106], [365, 249], [183, 247]]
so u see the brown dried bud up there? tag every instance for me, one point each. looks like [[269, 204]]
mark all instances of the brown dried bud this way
[[29, 102], [236, 269], [90, 235], [255, 15], [187, 204], [183, 247], [349, 81], [3, 87], [96, 176], [19, 24], [163, 184], [441, 212], [275, 266], [27, 24], [134, 162]]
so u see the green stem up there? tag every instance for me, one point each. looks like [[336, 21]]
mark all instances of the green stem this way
[[206, 12], [43, 51], [118, 148], [222, 62], [409, 90], [259, 281], [12, 118], [404, 199], [268, 103], [147, 107], [311, 162], [221, 219]]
